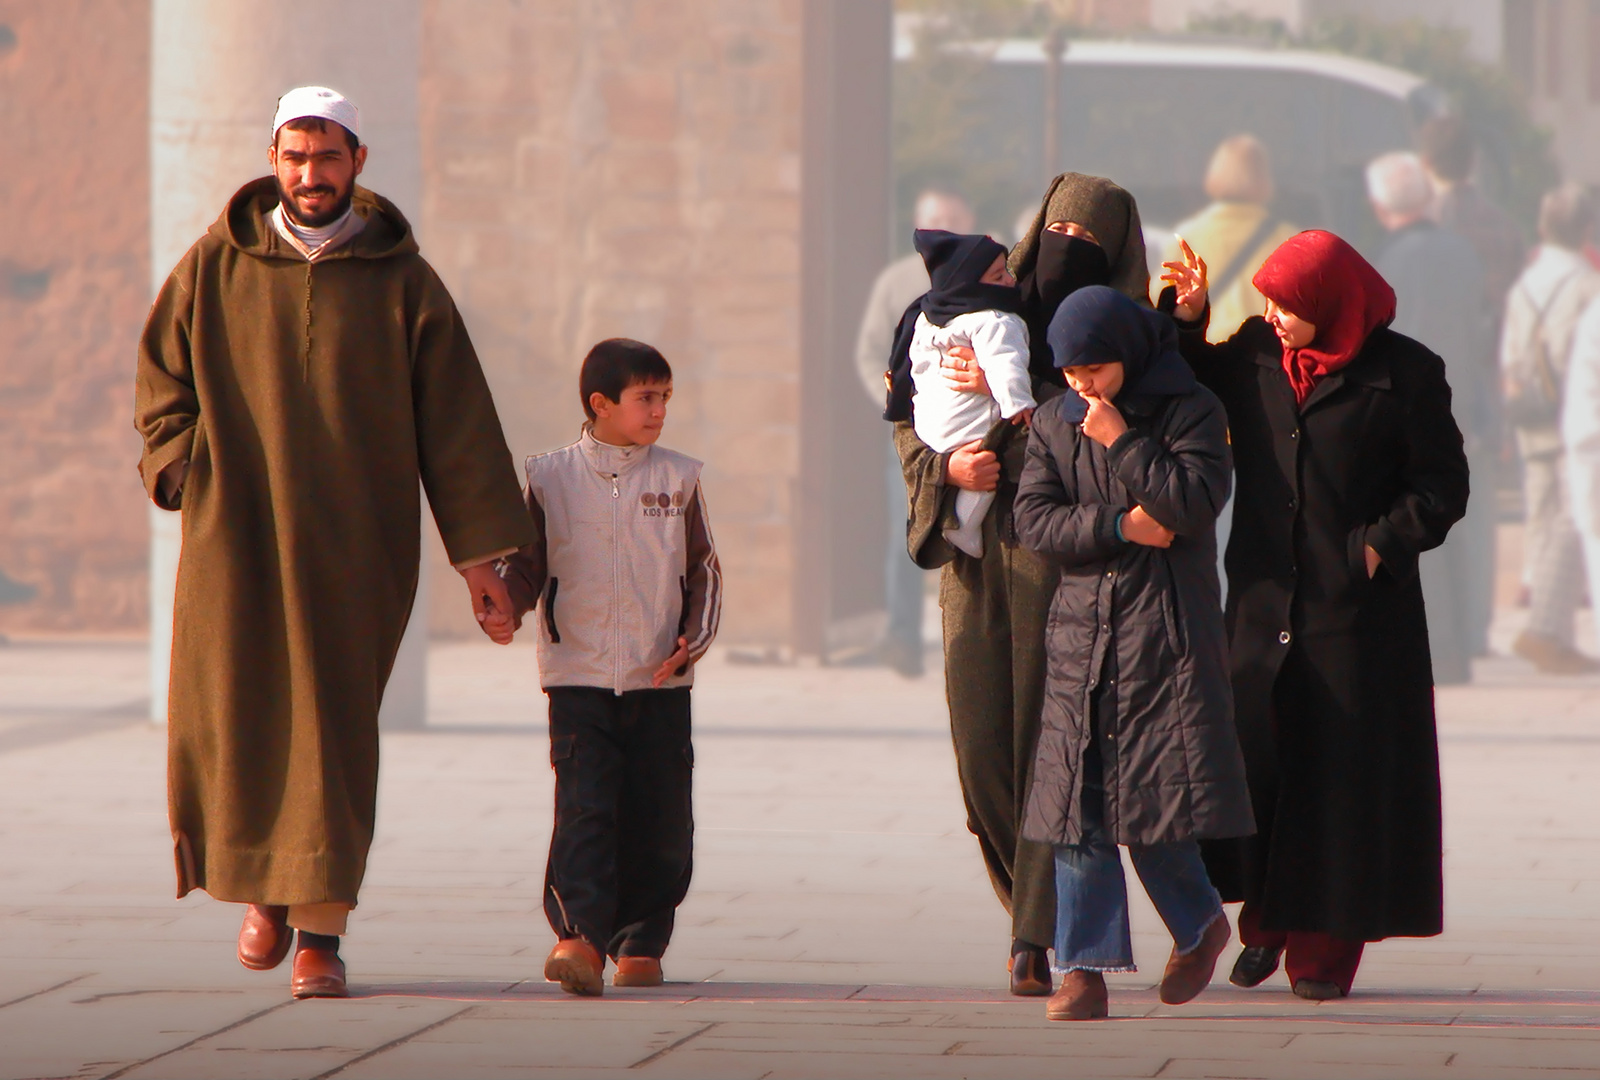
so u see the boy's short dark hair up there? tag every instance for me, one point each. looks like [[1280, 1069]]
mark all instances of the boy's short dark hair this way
[[617, 363]]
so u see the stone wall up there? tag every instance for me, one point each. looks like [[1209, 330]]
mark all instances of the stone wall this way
[[617, 168], [74, 291], [595, 169]]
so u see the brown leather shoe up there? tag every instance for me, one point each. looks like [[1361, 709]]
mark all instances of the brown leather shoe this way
[[577, 966], [1189, 973], [1082, 997], [318, 973], [637, 971], [1030, 971], [264, 937]]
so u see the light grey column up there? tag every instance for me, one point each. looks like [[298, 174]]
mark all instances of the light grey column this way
[[217, 68]]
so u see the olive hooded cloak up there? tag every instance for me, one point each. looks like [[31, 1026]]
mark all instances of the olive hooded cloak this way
[[306, 398], [996, 608]]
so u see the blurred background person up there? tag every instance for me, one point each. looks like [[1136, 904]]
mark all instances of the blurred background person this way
[[1580, 407], [1236, 233], [897, 285], [1536, 349], [1460, 205], [1438, 284]]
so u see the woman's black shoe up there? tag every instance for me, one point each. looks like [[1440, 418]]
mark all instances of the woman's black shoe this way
[[1030, 970], [1255, 966]]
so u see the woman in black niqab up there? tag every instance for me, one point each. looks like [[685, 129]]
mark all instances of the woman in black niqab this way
[[995, 607]]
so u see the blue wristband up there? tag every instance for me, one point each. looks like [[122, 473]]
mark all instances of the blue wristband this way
[[1120, 515]]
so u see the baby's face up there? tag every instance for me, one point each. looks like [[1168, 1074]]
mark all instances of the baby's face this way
[[997, 274]]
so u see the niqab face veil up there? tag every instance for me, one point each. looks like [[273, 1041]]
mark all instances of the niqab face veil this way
[[1051, 266], [1320, 278]]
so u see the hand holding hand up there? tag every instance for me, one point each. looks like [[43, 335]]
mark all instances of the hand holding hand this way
[[960, 368], [491, 603], [500, 628], [1189, 279], [972, 468], [1374, 560], [1104, 424], [1138, 527], [679, 658]]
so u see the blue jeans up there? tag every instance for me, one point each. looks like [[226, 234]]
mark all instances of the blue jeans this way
[[902, 579], [1092, 896]]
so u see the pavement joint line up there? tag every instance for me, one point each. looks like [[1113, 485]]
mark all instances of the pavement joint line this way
[[40, 993], [223, 1030], [659, 1054], [390, 1045]]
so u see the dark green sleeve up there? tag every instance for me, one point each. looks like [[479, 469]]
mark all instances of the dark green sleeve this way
[[928, 498]]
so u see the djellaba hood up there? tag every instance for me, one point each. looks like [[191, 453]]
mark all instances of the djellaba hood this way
[[244, 224]]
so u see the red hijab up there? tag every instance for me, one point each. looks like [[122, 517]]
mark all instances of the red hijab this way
[[1326, 282]]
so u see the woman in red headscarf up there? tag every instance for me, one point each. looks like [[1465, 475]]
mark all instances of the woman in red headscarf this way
[[1349, 465]]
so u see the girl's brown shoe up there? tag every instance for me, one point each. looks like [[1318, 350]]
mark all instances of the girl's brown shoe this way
[[1082, 997], [1189, 973]]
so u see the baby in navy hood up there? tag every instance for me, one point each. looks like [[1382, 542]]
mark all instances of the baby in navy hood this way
[[973, 302]]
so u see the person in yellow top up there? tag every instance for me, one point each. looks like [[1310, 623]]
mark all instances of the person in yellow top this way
[[1237, 232]]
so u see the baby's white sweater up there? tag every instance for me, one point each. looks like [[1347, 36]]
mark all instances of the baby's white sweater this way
[[946, 418]]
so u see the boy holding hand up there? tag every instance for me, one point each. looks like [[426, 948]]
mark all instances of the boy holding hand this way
[[625, 578]]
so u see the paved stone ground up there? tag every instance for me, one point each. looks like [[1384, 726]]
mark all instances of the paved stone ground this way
[[840, 922]]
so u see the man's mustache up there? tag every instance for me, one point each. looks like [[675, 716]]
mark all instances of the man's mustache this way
[[320, 189]]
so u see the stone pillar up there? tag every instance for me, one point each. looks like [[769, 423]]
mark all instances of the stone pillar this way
[[845, 179], [217, 68]]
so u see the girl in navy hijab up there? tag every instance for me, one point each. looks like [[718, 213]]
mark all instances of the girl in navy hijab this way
[[1126, 473]]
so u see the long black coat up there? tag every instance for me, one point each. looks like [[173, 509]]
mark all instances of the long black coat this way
[[1137, 628], [1332, 681]]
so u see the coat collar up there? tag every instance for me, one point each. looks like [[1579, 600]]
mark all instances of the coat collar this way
[[607, 459], [1370, 368]]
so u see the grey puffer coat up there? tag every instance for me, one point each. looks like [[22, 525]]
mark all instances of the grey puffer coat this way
[[1164, 718]]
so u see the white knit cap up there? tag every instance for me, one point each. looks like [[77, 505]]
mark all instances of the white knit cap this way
[[321, 102]]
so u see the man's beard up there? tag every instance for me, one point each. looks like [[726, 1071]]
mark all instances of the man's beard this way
[[316, 221]]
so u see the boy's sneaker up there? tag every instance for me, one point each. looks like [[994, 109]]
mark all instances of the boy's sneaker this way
[[637, 971], [577, 966]]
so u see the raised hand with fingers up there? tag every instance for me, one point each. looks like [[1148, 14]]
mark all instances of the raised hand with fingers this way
[[1189, 279]]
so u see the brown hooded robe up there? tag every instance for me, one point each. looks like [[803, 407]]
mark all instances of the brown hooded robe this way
[[306, 399]]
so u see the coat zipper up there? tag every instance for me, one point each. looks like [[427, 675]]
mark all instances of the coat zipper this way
[[616, 592]]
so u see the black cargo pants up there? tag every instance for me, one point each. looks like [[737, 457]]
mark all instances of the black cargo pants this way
[[621, 852]]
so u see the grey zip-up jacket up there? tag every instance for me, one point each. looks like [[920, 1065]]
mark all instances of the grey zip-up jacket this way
[[623, 566]]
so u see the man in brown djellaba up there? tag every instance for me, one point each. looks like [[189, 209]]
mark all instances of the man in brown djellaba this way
[[301, 367]]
